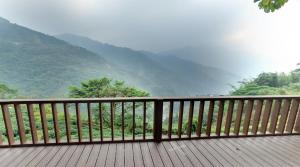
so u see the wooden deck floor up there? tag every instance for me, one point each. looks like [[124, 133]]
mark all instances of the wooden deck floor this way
[[260, 151]]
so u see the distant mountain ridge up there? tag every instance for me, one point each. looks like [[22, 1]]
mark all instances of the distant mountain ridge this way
[[40, 65]]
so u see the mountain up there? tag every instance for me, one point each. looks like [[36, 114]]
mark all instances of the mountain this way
[[40, 65], [222, 57], [200, 79]]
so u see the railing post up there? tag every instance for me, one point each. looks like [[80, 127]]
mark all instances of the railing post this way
[[158, 115]]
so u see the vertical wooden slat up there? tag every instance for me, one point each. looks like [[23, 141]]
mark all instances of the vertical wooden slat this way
[[90, 123], [180, 117], [123, 123], [144, 119], [101, 120], [133, 120], [257, 116], [112, 114], [248, 114], [297, 123], [190, 120], [220, 117], [292, 116], [32, 123], [200, 118], [67, 122], [266, 116], [44, 123], [55, 121], [158, 116], [238, 117], [8, 125], [229, 118], [284, 114], [274, 116], [78, 119], [210, 117], [171, 107], [1, 140], [20, 123]]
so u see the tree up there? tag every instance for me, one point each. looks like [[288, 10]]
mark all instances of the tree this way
[[105, 87], [270, 5], [6, 92], [270, 84]]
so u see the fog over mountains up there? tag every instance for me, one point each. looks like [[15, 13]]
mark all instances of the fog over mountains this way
[[41, 65]]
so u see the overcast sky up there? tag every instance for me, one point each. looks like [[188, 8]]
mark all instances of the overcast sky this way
[[159, 25]]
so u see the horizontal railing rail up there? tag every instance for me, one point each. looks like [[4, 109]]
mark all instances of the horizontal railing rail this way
[[27, 122]]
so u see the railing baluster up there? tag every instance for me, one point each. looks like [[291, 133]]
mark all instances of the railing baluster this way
[[190, 120], [257, 116], [210, 117], [200, 118], [112, 105], [248, 114], [20, 123], [8, 125], [284, 113], [67, 122], [133, 120], [158, 116], [144, 119], [220, 117], [123, 123], [44, 122], [297, 123], [170, 122], [292, 116], [32, 123], [55, 121], [101, 122], [266, 116], [238, 117], [274, 116], [180, 117], [90, 123], [78, 119], [229, 118]]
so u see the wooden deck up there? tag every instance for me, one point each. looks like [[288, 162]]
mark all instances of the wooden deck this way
[[252, 151]]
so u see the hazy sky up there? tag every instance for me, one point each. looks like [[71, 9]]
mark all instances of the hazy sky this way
[[159, 25]]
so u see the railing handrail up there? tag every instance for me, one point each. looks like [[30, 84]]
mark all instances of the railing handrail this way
[[129, 99]]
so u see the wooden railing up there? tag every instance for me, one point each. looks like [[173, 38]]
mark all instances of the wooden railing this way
[[76, 121]]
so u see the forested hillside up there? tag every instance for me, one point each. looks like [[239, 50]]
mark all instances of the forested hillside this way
[[40, 65]]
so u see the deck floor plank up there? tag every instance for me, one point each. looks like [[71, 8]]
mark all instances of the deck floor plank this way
[[173, 156], [102, 156], [148, 162], [137, 154], [129, 162], [120, 155], [91, 162], [84, 155], [58, 156], [248, 152], [30, 157], [66, 157], [241, 153]]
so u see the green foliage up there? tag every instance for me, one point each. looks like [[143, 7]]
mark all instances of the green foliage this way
[[105, 87], [270, 5], [6, 92], [270, 84]]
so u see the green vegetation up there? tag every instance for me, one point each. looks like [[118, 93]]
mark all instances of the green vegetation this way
[[271, 84], [270, 5], [6, 92]]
